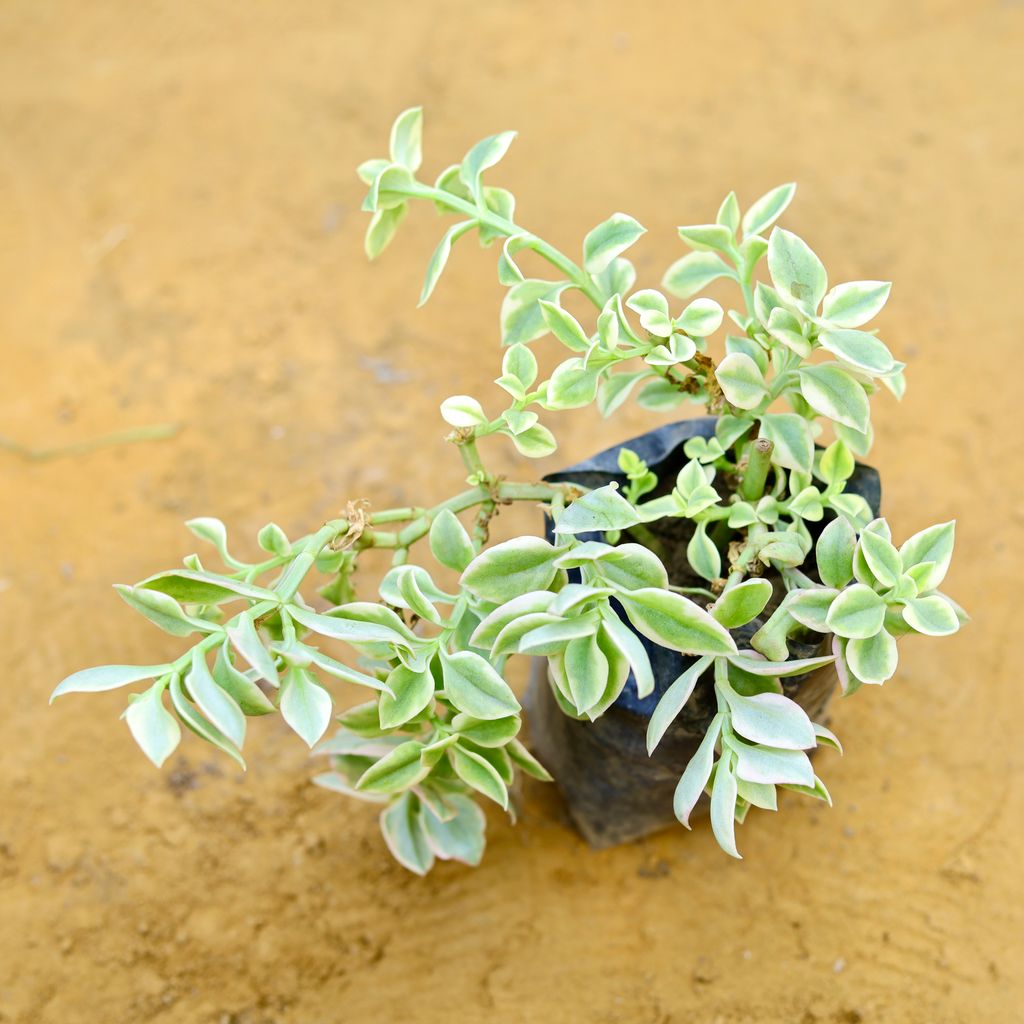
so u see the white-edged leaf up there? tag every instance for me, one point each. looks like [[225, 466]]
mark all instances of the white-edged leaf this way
[[305, 705], [696, 774], [401, 827], [463, 411], [797, 273], [672, 702], [694, 271], [855, 303], [217, 705], [439, 259], [608, 240], [507, 570], [830, 390], [406, 144], [676, 622], [603, 508], [766, 211], [473, 686], [152, 726], [772, 719], [723, 809], [107, 677]]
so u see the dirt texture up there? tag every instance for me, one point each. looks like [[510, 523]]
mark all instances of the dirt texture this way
[[180, 242]]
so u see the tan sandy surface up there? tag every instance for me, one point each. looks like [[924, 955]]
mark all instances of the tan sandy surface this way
[[180, 241]]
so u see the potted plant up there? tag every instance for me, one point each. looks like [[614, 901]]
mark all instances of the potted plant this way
[[697, 594]]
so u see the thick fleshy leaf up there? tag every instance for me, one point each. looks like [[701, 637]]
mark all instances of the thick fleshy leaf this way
[[620, 636], [537, 442], [855, 303], [741, 380], [933, 545], [476, 771], [152, 726], [396, 771], [194, 587], [406, 144], [723, 809], [696, 774], [791, 436], [305, 705], [694, 271], [450, 544], [246, 640], [573, 384], [932, 615], [603, 508], [700, 318], [483, 155], [703, 556], [217, 705], [412, 691], [741, 603], [772, 719], [460, 837], [439, 259], [750, 662], [353, 631], [511, 569], [859, 349], [403, 832], [107, 677], [831, 391], [676, 622], [249, 697], [162, 610], [522, 318], [766, 211], [564, 326], [608, 240], [473, 686], [772, 766], [586, 671], [463, 411], [672, 702], [198, 724], [882, 558], [494, 733], [797, 273], [874, 658], [857, 613], [704, 237]]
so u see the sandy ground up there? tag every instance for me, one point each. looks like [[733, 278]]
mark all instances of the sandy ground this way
[[180, 242]]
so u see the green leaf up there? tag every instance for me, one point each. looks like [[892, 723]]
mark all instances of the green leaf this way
[[483, 155], [381, 230], [934, 545], [107, 677], [749, 663], [494, 733], [522, 318], [507, 570], [537, 442], [586, 670], [615, 389], [401, 825], [413, 691], [478, 772], [882, 558], [834, 553], [474, 687], [873, 658], [837, 464], [152, 726], [396, 771], [249, 697], [305, 705], [608, 240], [199, 725], [853, 304], [449, 542], [705, 237], [787, 328], [600, 509], [219, 707], [246, 640], [723, 808], [652, 308], [797, 273], [931, 615], [698, 771], [859, 349], [525, 761], [460, 837], [672, 702], [351, 630], [700, 318], [521, 363], [741, 381], [791, 436], [572, 386], [702, 554], [564, 326], [857, 613], [772, 767], [620, 637], [390, 188], [274, 540], [194, 587], [462, 411], [407, 139], [162, 610], [694, 271], [772, 719], [675, 622], [729, 213], [631, 567], [439, 259], [741, 603], [831, 391], [767, 210]]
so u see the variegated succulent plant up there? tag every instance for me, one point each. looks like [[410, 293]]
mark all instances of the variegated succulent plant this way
[[440, 727]]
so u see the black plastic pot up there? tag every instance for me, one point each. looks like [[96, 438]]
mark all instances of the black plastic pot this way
[[615, 792]]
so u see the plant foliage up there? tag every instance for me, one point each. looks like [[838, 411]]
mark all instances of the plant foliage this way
[[439, 728]]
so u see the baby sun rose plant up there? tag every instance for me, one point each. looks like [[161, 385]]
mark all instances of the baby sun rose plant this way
[[775, 539]]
